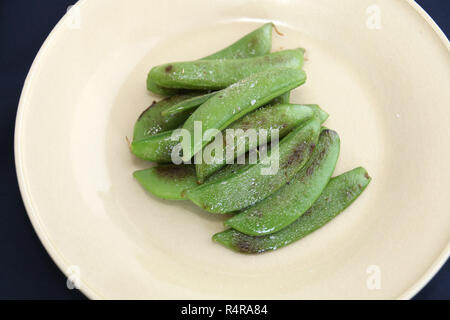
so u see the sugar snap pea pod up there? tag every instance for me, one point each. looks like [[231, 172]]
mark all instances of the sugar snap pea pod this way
[[151, 121], [172, 181], [219, 74], [167, 181], [255, 182], [281, 117], [340, 192], [237, 100], [256, 43], [286, 205]]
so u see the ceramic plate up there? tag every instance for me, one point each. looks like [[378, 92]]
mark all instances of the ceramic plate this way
[[380, 68]]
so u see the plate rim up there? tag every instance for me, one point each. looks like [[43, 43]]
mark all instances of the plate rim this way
[[35, 220]]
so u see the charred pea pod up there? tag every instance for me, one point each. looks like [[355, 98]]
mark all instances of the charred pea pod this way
[[219, 74], [340, 192], [172, 181], [287, 204], [256, 182], [167, 181]]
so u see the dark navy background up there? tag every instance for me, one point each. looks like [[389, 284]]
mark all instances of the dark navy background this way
[[26, 270]]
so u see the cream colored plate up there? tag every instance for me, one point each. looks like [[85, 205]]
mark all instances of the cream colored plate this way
[[380, 68]]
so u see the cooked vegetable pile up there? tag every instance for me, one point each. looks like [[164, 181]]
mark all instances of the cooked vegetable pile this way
[[244, 87]]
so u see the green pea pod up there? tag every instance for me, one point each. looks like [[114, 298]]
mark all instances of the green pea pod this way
[[151, 122], [281, 117], [256, 182], [172, 181], [340, 192], [287, 204], [167, 181], [256, 43], [236, 101], [219, 74]]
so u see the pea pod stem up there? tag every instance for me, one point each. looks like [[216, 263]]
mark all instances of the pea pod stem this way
[[340, 192]]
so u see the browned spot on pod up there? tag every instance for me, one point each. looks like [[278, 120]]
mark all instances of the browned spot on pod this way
[[169, 68], [307, 213], [173, 172], [258, 213], [315, 164], [244, 246], [310, 170], [297, 155]]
